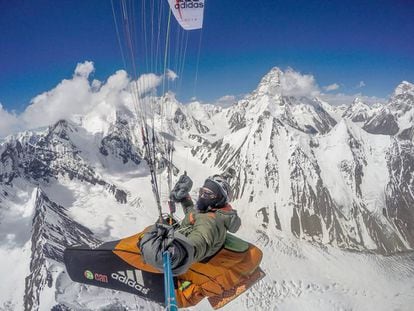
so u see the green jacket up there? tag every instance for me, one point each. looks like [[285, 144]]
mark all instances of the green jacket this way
[[207, 231]]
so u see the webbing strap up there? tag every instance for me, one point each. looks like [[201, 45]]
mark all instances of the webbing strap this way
[[169, 291]]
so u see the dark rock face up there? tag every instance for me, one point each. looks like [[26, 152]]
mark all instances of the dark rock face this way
[[303, 199], [60, 307], [321, 122], [400, 189], [181, 119], [10, 162], [52, 231], [119, 143], [237, 121], [314, 210], [186, 122], [385, 123], [359, 118], [277, 220], [388, 242], [324, 121], [201, 128], [264, 212], [120, 195], [407, 134]]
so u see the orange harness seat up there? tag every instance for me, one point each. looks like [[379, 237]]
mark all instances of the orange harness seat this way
[[233, 265]]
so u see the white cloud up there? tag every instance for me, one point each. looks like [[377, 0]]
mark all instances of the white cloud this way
[[96, 84], [84, 69], [226, 101], [347, 99], [360, 84], [77, 96], [331, 87], [149, 82], [71, 97], [171, 75], [8, 122], [146, 83], [110, 95], [115, 83], [81, 96], [67, 98], [294, 83]]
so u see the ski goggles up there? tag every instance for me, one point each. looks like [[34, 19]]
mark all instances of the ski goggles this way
[[206, 193]]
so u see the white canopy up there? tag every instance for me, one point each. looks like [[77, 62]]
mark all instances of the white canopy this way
[[189, 13]]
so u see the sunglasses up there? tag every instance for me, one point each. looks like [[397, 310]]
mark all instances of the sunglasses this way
[[206, 194]]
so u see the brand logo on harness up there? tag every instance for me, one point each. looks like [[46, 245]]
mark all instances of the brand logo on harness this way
[[131, 278], [88, 274], [96, 276], [189, 4]]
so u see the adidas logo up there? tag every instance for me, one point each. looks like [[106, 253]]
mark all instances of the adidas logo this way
[[132, 278]]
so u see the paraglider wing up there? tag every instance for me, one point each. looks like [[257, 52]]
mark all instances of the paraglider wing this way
[[188, 13]]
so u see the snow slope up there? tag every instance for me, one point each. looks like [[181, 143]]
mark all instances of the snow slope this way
[[323, 197]]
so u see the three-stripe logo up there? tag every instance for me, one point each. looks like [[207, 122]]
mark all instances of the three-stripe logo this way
[[132, 278]]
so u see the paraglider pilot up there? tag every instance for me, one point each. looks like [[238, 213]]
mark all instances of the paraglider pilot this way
[[202, 232]]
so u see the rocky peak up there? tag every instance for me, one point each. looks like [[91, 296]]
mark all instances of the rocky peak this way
[[397, 116], [170, 96], [358, 111], [61, 128], [270, 83], [404, 87], [168, 104], [377, 106], [402, 100], [306, 114], [119, 142], [358, 102]]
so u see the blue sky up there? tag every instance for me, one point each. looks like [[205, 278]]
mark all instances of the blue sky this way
[[342, 42]]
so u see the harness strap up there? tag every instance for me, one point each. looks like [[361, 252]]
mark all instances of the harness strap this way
[[226, 208]]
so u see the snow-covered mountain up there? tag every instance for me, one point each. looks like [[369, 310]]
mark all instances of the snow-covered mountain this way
[[358, 111], [326, 188], [305, 114], [397, 116], [309, 185]]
